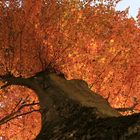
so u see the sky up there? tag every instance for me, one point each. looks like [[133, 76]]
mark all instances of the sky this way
[[134, 6]]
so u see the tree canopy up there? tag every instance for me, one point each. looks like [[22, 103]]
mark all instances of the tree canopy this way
[[83, 39]]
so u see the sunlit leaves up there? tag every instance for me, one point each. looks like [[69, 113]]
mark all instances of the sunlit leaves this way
[[83, 39]]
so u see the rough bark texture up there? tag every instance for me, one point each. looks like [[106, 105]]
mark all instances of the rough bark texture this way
[[80, 114], [71, 111]]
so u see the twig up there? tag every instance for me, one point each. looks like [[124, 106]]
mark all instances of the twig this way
[[13, 115]]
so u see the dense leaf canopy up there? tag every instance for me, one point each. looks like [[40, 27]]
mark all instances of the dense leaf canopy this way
[[86, 40]]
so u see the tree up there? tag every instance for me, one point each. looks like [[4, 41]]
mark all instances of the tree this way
[[95, 43]]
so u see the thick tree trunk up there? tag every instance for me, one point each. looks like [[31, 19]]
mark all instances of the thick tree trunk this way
[[79, 114], [72, 111]]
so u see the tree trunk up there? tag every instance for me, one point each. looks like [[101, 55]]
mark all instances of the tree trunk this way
[[79, 114], [71, 111]]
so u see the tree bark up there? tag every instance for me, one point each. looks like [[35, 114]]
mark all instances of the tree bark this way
[[71, 111], [81, 114]]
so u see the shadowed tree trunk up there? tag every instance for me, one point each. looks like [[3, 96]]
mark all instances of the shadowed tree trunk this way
[[70, 110]]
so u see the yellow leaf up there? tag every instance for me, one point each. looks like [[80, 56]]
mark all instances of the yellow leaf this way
[[102, 60]]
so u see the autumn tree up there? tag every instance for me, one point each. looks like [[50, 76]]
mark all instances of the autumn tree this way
[[86, 40]]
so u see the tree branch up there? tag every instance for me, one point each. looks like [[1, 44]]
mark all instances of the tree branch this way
[[15, 114]]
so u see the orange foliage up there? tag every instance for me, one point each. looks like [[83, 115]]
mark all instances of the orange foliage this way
[[24, 126], [95, 43]]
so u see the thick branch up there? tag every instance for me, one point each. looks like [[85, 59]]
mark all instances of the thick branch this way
[[32, 83], [75, 112]]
